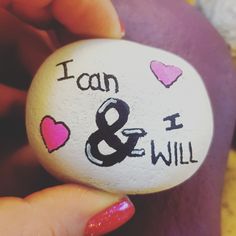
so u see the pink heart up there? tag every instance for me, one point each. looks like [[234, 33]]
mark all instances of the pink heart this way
[[166, 74], [54, 134]]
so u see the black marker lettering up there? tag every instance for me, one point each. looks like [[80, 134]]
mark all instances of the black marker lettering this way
[[108, 77], [191, 153], [155, 157], [178, 157], [107, 133], [96, 78], [140, 133], [176, 154], [65, 70], [79, 84], [182, 162], [172, 120], [94, 82]]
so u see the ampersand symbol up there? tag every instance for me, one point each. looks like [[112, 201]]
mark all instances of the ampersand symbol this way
[[107, 132]]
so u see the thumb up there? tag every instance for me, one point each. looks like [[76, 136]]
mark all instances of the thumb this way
[[64, 210]]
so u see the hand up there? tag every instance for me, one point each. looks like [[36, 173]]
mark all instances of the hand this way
[[63, 209], [192, 208]]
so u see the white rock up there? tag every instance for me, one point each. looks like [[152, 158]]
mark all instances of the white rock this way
[[222, 14], [69, 123]]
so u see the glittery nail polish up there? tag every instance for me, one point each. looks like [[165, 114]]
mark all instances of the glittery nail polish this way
[[110, 218], [122, 27]]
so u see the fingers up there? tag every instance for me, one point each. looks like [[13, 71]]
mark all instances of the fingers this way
[[34, 12], [34, 47], [10, 28], [35, 3], [89, 18], [64, 210], [4, 3], [31, 46], [11, 100], [21, 174], [97, 18]]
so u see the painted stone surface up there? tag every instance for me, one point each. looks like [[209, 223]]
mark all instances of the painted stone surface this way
[[119, 116]]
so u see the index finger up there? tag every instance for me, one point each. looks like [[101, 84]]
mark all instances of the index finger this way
[[97, 18]]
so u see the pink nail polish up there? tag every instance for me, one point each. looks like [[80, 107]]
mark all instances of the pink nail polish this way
[[122, 28], [110, 219]]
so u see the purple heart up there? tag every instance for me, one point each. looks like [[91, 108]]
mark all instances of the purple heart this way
[[166, 74]]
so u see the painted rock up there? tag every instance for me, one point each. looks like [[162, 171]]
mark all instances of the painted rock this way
[[119, 116], [177, 27]]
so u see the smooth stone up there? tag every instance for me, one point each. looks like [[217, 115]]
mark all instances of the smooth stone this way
[[119, 116]]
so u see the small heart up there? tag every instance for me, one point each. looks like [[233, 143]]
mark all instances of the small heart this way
[[54, 134], [166, 74]]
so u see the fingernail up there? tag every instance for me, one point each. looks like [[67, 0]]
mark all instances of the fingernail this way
[[110, 219], [122, 28]]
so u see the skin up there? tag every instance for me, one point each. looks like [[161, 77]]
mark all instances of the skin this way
[[192, 208], [29, 198]]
